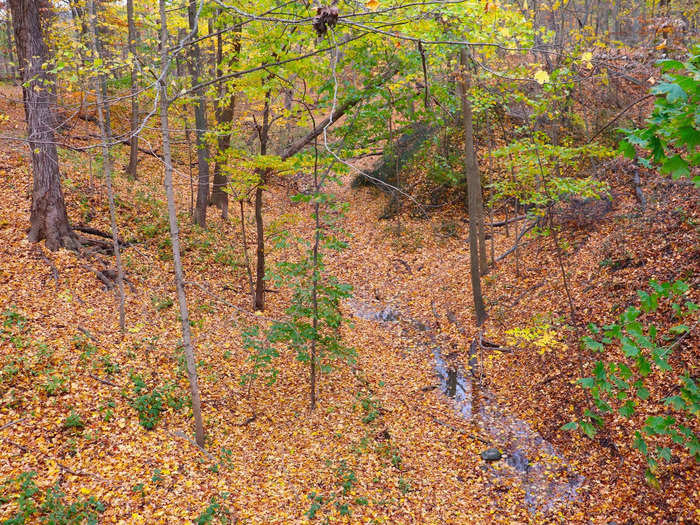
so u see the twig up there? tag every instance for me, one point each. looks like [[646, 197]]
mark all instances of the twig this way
[[103, 381], [638, 190], [88, 334], [522, 233], [6, 425], [248, 421]]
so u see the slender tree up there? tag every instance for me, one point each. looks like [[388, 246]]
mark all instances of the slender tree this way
[[48, 218], [134, 122], [105, 123], [174, 234], [471, 170], [200, 119]]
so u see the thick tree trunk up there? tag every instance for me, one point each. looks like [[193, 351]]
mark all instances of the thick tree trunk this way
[[174, 234], [474, 189], [105, 122], [132, 167], [200, 118], [48, 219]]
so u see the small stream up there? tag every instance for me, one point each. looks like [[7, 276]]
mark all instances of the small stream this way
[[546, 477]]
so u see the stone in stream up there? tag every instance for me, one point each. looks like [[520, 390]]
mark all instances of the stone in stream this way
[[491, 454]]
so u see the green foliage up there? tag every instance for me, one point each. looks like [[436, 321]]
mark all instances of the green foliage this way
[[345, 478], [73, 421], [50, 508], [161, 303], [312, 326], [672, 133], [214, 511], [537, 166], [150, 405], [621, 383]]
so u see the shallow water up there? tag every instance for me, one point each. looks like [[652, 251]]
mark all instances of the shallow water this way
[[547, 479]]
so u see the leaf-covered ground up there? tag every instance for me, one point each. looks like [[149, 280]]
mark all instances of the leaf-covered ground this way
[[384, 445]]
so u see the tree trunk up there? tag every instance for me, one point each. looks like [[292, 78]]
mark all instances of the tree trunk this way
[[105, 124], [134, 124], [200, 118], [174, 234], [263, 132], [244, 241], [471, 170], [224, 117], [48, 219], [260, 252]]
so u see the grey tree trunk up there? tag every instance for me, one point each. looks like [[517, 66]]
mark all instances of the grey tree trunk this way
[[224, 116], [105, 123], [471, 170], [174, 233], [48, 218], [200, 119], [132, 168]]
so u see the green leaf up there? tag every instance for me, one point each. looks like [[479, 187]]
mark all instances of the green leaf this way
[[588, 429], [664, 453], [667, 64], [674, 93], [570, 426], [676, 402], [592, 344], [626, 149], [642, 393], [639, 443], [587, 382], [627, 409], [676, 166], [689, 136]]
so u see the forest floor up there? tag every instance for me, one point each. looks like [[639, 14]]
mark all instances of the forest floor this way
[[385, 444]]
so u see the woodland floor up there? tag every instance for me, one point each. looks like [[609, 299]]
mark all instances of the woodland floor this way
[[413, 460]]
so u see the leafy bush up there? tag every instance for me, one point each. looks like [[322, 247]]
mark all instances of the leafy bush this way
[[52, 511], [672, 133], [622, 383]]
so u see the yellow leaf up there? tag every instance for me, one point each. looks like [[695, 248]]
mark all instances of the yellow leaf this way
[[541, 77], [586, 59]]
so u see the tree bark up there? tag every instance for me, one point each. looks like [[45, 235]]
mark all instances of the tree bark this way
[[224, 117], [200, 118], [174, 233], [471, 170], [105, 124], [48, 218], [134, 122]]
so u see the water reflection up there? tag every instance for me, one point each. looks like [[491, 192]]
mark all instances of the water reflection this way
[[545, 475]]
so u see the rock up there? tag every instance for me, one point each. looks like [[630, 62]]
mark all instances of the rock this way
[[491, 454]]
